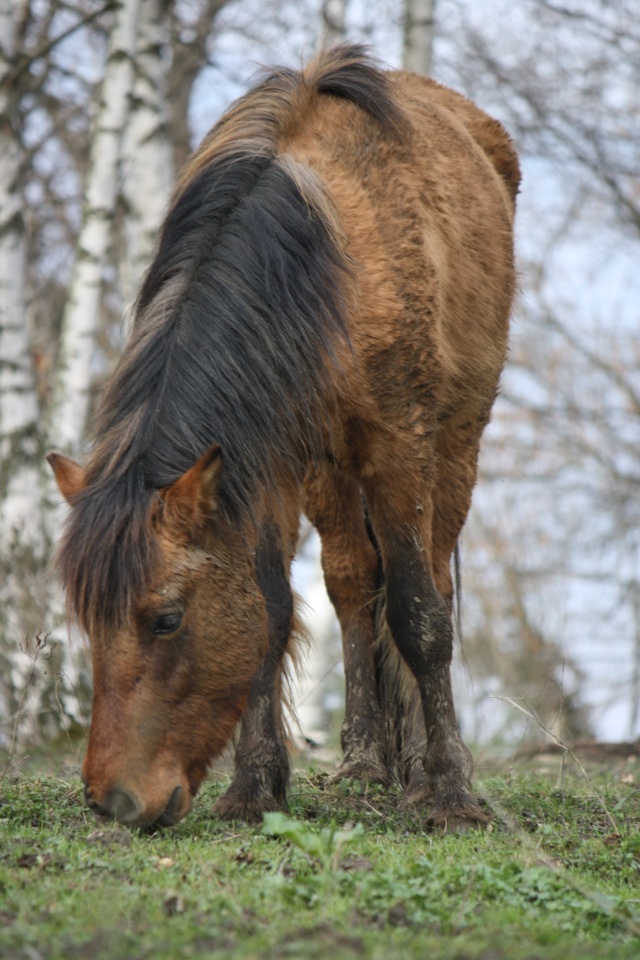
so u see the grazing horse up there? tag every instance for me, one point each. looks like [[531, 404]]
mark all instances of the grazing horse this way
[[322, 329]]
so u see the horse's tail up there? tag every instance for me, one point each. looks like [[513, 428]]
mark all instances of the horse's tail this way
[[401, 707], [398, 694]]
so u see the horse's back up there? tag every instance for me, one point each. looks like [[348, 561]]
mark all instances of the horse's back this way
[[428, 221], [489, 134]]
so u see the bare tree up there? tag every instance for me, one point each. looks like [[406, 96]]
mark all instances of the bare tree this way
[[419, 26], [51, 343], [69, 406], [334, 23], [32, 37], [563, 451], [146, 161], [22, 541], [192, 35]]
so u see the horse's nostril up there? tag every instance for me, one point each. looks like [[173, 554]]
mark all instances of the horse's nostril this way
[[118, 804], [88, 798], [121, 806], [168, 816]]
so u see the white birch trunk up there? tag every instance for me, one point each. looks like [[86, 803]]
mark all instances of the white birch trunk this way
[[311, 682], [75, 365], [419, 21], [22, 541], [318, 665], [334, 28], [147, 164]]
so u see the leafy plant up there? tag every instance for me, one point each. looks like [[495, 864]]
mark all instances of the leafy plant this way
[[326, 846]]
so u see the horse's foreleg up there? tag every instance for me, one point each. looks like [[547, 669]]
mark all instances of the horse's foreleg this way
[[261, 762], [420, 625], [349, 563]]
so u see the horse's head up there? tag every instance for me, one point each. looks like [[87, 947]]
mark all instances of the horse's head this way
[[171, 680]]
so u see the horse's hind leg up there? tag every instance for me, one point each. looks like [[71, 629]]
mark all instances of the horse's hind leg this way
[[401, 508], [261, 762], [350, 563]]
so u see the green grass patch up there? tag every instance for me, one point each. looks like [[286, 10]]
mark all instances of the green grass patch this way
[[350, 872]]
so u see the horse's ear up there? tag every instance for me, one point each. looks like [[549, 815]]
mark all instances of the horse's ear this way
[[70, 476], [193, 496]]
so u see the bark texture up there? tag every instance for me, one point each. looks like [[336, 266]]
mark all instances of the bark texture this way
[[147, 156], [334, 14], [22, 542], [70, 403], [417, 53]]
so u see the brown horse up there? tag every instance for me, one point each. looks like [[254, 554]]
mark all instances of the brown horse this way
[[322, 328]]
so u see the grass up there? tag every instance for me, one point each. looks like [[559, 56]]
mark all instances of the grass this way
[[556, 875]]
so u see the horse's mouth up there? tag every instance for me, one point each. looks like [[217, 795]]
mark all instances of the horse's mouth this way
[[170, 815]]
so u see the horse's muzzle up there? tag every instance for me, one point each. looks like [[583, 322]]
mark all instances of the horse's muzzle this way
[[118, 805], [124, 807]]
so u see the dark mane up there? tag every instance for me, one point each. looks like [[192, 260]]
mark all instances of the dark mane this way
[[234, 335]]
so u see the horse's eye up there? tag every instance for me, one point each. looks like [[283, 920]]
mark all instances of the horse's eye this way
[[167, 623]]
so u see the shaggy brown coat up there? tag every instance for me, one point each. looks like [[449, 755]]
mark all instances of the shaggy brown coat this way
[[323, 327]]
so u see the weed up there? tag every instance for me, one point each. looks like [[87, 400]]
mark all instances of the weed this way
[[550, 879], [326, 846]]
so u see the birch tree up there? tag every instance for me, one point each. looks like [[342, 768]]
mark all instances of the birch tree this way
[[419, 25], [147, 167], [75, 363], [334, 27], [125, 170], [22, 542], [561, 454]]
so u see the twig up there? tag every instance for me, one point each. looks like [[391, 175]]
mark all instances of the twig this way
[[377, 812], [528, 712], [41, 644], [26, 60], [231, 836], [61, 677]]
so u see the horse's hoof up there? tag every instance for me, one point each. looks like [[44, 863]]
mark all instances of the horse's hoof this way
[[363, 769], [232, 806], [418, 790], [458, 820]]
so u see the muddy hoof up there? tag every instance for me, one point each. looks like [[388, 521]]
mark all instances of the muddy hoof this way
[[233, 805], [458, 819], [418, 791], [450, 809], [363, 769]]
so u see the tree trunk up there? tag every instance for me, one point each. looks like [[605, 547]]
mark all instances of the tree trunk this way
[[147, 155], [334, 21], [417, 53], [190, 39], [310, 684], [75, 364], [22, 541], [634, 712]]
